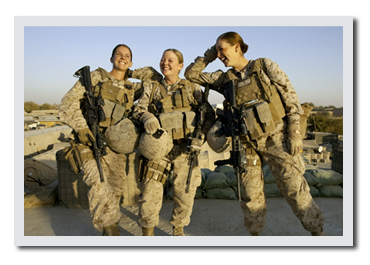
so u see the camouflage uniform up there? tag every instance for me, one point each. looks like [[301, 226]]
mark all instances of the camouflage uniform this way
[[103, 197], [272, 148], [152, 190]]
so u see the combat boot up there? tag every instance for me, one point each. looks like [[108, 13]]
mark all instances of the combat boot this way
[[178, 231], [148, 231], [321, 232], [111, 230]]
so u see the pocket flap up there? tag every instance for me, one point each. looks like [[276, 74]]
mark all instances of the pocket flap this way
[[264, 112]]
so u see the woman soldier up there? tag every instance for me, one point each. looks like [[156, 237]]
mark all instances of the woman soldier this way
[[118, 95], [170, 114], [271, 112]]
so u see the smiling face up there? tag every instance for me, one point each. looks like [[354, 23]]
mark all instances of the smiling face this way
[[227, 53], [121, 59], [170, 65]]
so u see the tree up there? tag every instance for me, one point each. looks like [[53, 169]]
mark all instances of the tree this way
[[321, 123], [46, 106], [30, 106]]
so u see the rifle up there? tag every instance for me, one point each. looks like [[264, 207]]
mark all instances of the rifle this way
[[93, 114], [234, 127], [195, 139]]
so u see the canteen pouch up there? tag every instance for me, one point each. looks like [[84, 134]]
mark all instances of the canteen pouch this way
[[265, 117]]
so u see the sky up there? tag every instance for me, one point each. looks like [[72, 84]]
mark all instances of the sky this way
[[311, 56], [44, 56]]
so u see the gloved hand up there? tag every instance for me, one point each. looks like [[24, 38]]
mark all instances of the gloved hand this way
[[86, 137], [129, 73], [211, 54], [294, 139], [151, 123]]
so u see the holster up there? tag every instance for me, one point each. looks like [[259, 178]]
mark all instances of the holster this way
[[76, 154]]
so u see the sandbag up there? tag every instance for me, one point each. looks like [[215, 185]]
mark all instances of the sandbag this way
[[331, 191], [224, 169], [204, 172], [229, 172], [272, 190], [311, 180], [216, 180], [221, 193], [199, 194], [326, 177], [314, 192]]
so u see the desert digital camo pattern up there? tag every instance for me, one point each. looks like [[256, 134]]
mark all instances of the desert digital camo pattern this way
[[103, 197], [274, 75], [142, 105], [151, 197], [152, 190], [288, 170]]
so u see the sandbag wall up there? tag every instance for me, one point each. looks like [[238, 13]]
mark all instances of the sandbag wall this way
[[222, 183]]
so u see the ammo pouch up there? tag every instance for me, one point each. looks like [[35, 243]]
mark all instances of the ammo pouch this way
[[76, 154], [113, 113], [178, 124], [258, 119], [252, 162], [155, 171]]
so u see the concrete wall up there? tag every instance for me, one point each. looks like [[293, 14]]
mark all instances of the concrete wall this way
[[39, 140]]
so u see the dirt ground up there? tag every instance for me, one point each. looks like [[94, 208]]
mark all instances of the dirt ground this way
[[209, 218]]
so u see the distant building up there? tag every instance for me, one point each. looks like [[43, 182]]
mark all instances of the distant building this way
[[337, 113], [39, 119], [320, 111]]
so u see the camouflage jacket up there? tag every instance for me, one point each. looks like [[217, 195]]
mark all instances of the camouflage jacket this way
[[196, 96], [70, 107], [274, 74]]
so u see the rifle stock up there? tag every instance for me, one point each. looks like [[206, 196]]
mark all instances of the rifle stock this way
[[92, 111]]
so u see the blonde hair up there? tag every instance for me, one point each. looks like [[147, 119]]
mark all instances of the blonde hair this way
[[177, 53], [233, 38]]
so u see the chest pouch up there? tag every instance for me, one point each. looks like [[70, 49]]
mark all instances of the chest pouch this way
[[258, 119], [172, 122], [190, 122], [178, 101], [113, 113]]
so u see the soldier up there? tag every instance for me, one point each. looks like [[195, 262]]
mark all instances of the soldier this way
[[169, 113], [121, 135], [265, 93]]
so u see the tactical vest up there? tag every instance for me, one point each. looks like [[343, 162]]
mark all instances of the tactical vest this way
[[118, 99], [260, 102], [175, 111]]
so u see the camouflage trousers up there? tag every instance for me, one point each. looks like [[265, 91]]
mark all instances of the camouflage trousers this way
[[151, 197], [288, 171], [104, 198]]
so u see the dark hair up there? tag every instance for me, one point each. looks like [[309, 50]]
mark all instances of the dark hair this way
[[233, 38], [124, 45]]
